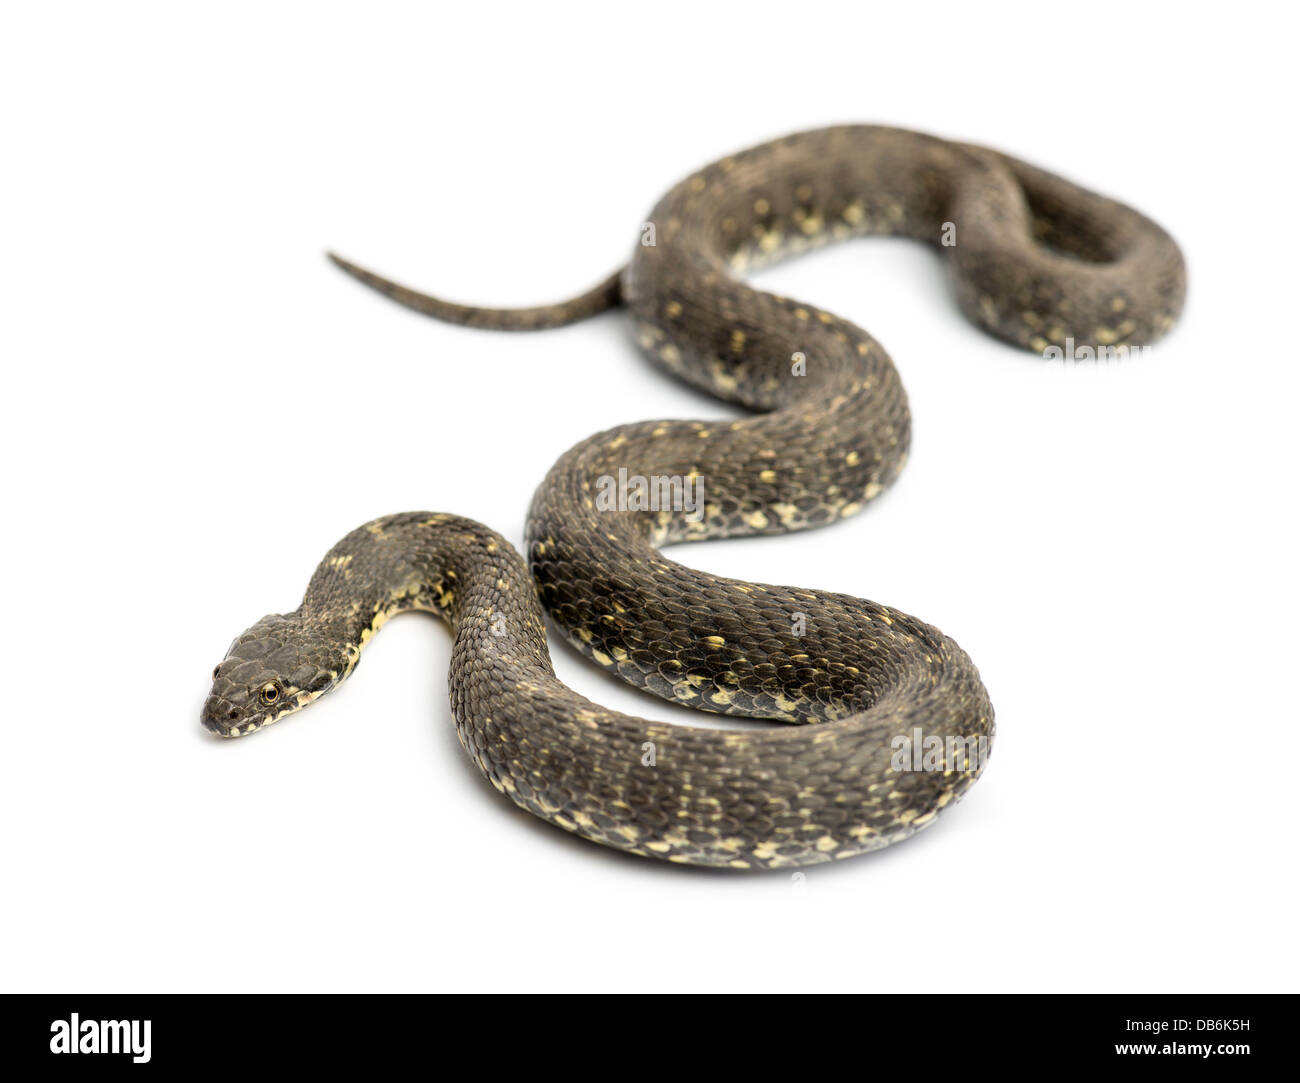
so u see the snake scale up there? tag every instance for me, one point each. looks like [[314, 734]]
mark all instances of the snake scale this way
[[1036, 261]]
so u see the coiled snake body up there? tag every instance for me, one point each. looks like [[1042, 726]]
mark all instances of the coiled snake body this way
[[1036, 261]]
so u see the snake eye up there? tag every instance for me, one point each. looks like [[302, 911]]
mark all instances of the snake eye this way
[[215, 670], [270, 693]]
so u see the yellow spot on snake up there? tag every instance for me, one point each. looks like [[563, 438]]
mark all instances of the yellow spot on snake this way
[[787, 513], [762, 206], [767, 476]]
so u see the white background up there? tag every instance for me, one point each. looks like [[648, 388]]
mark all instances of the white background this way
[[197, 406]]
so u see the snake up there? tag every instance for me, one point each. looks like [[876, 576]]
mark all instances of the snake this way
[[886, 722]]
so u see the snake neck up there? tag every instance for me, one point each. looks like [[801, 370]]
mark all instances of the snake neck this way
[[453, 567]]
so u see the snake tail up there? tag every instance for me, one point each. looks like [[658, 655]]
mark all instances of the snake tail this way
[[605, 295]]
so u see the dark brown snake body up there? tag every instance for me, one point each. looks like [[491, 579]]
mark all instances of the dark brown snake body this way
[[899, 722]]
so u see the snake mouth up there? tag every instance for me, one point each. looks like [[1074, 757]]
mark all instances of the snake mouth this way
[[226, 730], [220, 718]]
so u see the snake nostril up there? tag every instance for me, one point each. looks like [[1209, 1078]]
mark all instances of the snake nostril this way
[[233, 714]]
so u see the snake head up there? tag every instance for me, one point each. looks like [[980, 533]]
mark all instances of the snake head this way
[[275, 668]]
